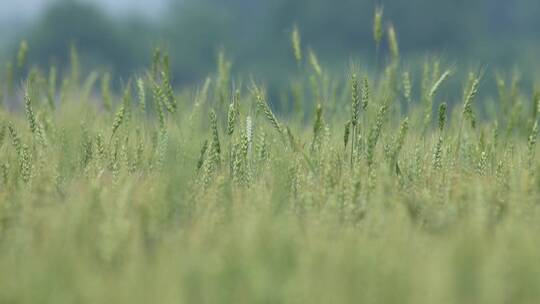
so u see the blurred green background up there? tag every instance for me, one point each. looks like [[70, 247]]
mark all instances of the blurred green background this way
[[120, 35]]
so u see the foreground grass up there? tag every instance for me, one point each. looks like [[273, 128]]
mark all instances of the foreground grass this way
[[371, 190]]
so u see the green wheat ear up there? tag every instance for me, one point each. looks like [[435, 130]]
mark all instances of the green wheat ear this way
[[265, 108], [365, 94], [437, 155], [142, 95], [156, 62], [215, 134], [407, 86], [30, 116], [22, 54], [469, 99], [531, 142], [15, 138], [393, 43], [403, 129], [317, 128], [437, 84], [314, 62], [202, 153], [118, 118], [25, 160], [224, 76], [377, 25], [346, 133], [35, 127], [355, 97], [442, 116], [231, 118], [296, 45]]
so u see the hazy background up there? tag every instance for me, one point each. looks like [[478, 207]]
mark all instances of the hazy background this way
[[120, 34]]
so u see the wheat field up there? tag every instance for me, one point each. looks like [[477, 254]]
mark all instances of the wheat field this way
[[382, 186]]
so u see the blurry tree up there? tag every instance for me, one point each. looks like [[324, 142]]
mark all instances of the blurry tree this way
[[101, 40], [256, 33]]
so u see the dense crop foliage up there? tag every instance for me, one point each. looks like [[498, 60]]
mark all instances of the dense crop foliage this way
[[371, 189]]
